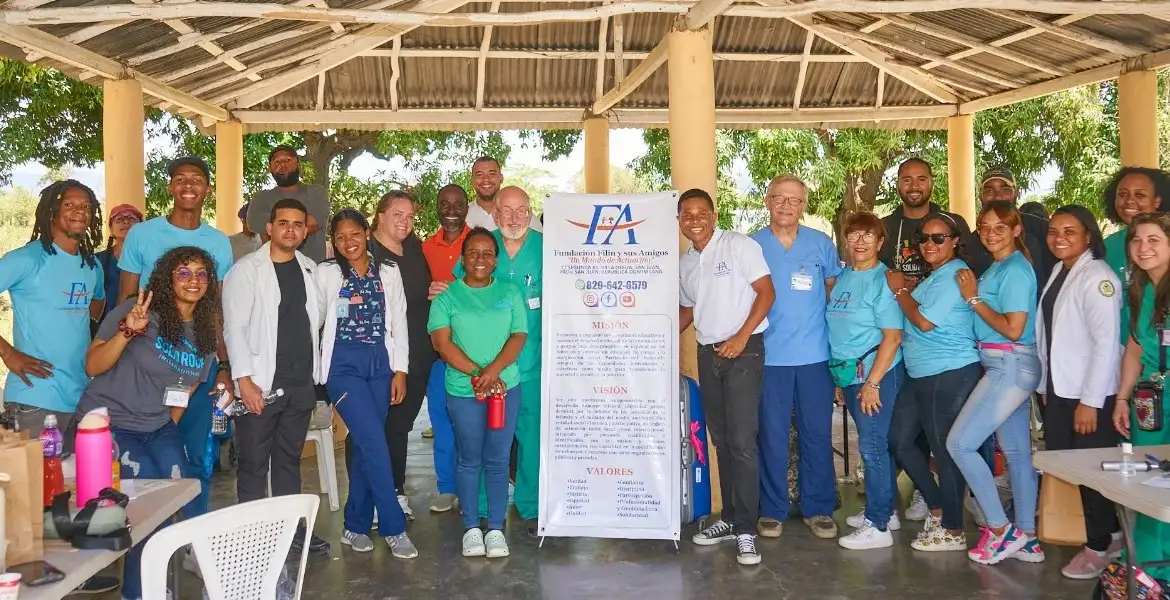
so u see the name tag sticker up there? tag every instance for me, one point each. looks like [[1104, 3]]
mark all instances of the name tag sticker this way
[[1165, 336], [176, 397], [534, 303], [342, 311], [802, 282]]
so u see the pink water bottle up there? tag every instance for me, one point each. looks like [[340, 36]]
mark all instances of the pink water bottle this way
[[93, 449]]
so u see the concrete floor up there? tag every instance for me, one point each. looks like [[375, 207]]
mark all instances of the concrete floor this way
[[795, 566]]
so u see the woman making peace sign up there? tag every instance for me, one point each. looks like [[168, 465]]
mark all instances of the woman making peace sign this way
[[149, 355]]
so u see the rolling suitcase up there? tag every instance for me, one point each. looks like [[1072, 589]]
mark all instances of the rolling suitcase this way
[[696, 468]]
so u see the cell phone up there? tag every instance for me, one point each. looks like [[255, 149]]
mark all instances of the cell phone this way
[[37, 573]]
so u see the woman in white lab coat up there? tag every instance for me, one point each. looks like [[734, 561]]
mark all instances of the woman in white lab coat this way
[[1077, 330]]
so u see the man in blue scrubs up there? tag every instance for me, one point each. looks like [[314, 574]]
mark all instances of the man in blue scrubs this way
[[147, 242], [804, 264]]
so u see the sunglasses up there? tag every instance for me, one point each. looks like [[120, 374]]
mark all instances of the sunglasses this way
[[938, 238], [185, 274]]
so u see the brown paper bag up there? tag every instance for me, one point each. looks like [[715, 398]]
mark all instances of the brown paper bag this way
[[1062, 516], [24, 506]]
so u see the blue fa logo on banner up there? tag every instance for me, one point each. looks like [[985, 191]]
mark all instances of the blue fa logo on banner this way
[[609, 219]]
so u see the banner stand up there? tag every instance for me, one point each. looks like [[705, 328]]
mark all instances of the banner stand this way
[[610, 412]]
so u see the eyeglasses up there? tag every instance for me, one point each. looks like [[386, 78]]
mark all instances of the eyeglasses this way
[[519, 213], [997, 229], [938, 238], [126, 219], [184, 275], [857, 236], [784, 200]]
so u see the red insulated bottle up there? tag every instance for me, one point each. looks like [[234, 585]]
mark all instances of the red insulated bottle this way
[[495, 417]]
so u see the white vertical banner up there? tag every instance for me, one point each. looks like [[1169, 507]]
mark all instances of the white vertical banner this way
[[610, 442]]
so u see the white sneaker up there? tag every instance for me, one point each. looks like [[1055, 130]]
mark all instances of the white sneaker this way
[[918, 509], [867, 537], [935, 538], [496, 545], [404, 502], [745, 549], [858, 520], [473, 543]]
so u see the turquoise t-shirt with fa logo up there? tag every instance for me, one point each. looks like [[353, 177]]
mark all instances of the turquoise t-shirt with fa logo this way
[[51, 294]]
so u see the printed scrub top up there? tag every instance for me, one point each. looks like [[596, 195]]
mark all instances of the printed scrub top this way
[[1008, 286], [796, 333], [951, 344], [148, 241], [861, 306], [525, 271], [481, 321], [1116, 257], [50, 302], [360, 316]]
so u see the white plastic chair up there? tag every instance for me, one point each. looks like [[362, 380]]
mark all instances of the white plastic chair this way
[[241, 549], [321, 434]]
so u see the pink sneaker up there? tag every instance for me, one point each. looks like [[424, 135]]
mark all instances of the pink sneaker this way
[[993, 549], [1087, 564], [1031, 552]]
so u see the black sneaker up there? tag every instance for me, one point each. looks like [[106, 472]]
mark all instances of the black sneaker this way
[[317, 546], [98, 584], [714, 533], [745, 551]]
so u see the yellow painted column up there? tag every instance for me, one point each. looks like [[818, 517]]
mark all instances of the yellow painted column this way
[[961, 165], [597, 155], [123, 153], [229, 175], [1137, 116], [691, 116]]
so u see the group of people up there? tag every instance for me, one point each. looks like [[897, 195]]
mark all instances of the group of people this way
[[936, 338], [172, 314]]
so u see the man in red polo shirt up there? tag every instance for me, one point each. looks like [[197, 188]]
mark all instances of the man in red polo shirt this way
[[442, 251]]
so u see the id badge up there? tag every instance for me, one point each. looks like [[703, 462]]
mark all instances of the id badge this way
[[176, 396], [342, 311], [534, 303], [802, 282]]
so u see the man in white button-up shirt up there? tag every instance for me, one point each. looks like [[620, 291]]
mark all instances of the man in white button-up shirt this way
[[725, 289]]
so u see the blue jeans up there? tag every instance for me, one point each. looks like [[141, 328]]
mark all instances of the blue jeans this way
[[807, 391], [444, 440], [362, 373], [1000, 404], [195, 427], [481, 449], [155, 455], [881, 478], [932, 404]]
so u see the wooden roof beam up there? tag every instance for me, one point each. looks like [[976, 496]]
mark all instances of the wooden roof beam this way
[[481, 61], [809, 38], [38, 41], [182, 28], [1008, 39], [914, 77], [602, 54], [1079, 36], [351, 45], [1111, 71], [915, 24], [619, 58], [395, 72], [614, 55]]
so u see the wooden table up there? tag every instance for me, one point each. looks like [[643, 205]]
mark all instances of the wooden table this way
[[1129, 494], [147, 513]]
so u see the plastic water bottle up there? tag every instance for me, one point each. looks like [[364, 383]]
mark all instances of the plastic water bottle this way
[[219, 418], [54, 444], [238, 408], [1128, 469]]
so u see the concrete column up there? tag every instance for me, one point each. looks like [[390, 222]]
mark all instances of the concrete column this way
[[229, 175], [961, 165], [597, 155], [1137, 116], [691, 97], [122, 143]]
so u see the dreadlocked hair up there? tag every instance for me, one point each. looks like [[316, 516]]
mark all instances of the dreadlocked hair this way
[[50, 206], [164, 304]]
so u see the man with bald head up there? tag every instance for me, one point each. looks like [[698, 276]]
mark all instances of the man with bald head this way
[[520, 261]]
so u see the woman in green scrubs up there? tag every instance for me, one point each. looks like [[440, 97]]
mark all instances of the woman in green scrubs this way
[[1148, 298], [1132, 191]]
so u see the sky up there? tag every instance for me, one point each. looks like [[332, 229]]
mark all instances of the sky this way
[[624, 146]]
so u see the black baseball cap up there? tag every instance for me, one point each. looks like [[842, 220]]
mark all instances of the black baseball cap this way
[[283, 148], [193, 161]]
